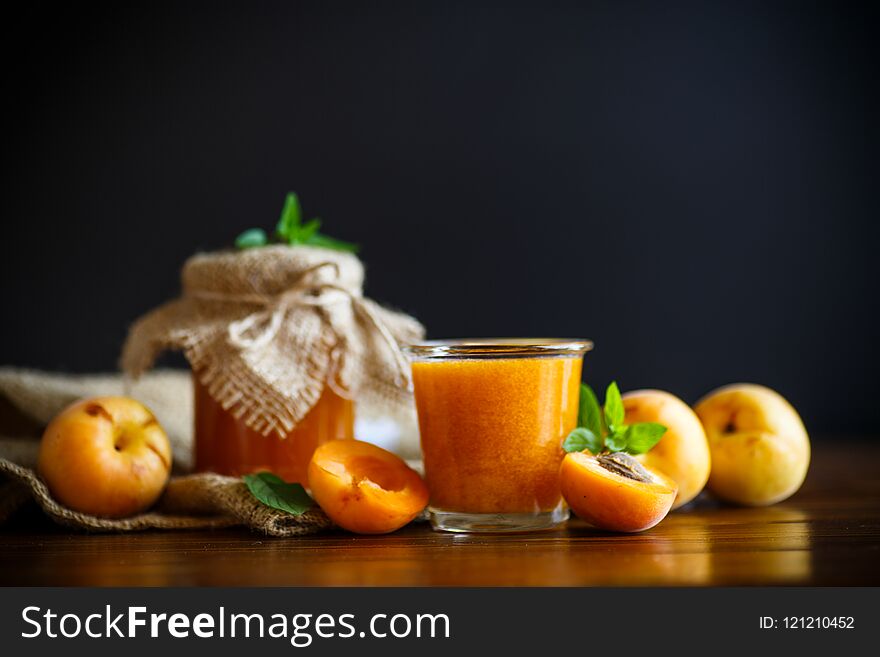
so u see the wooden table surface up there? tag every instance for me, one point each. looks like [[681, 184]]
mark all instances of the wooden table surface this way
[[827, 534]]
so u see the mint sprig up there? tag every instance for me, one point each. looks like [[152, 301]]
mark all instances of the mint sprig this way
[[291, 230], [274, 492], [602, 430]]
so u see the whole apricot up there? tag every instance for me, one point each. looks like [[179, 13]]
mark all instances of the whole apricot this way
[[614, 491], [683, 452], [760, 448], [364, 488], [106, 456]]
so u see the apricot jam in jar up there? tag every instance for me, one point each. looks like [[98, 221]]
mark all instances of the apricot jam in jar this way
[[493, 414], [226, 445], [283, 344]]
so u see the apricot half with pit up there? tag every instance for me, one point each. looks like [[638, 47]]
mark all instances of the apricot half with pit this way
[[106, 456], [364, 488], [615, 491]]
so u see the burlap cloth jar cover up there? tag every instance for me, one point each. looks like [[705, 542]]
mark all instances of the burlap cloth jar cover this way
[[265, 330]]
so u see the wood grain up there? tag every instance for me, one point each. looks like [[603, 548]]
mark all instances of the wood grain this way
[[827, 534]]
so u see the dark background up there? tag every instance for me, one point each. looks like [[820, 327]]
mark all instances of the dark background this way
[[692, 186]]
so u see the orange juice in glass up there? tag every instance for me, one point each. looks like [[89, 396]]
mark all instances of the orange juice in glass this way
[[492, 417]]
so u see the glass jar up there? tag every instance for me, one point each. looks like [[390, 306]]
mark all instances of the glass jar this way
[[226, 445], [492, 418]]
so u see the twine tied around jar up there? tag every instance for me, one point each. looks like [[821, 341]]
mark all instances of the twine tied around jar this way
[[312, 327], [303, 291]]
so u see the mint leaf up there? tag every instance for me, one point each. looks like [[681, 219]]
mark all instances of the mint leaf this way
[[307, 231], [331, 243], [290, 230], [642, 436], [589, 411], [618, 439], [614, 412], [580, 439], [274, 492], [289, 221], [251, 238]]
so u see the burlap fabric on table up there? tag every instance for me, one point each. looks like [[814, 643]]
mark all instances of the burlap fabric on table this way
[[28, 400]]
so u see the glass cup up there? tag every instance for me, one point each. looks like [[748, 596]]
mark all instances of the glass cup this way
[[492, 417]]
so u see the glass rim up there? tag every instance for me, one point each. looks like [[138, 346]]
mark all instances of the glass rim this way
[[497, 348]]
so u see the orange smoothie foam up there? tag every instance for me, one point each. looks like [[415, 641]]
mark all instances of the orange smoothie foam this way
[[492, 430]]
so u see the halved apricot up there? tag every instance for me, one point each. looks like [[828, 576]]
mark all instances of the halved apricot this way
[[615, 492], [364, 488]]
